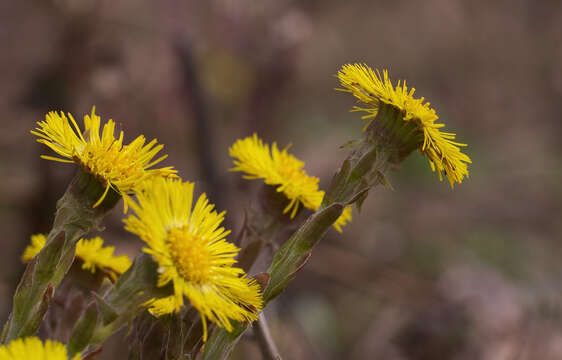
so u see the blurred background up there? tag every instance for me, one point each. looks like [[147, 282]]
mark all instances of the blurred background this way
[[423, 272]]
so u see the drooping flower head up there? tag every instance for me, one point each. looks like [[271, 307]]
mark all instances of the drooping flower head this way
[[372, 89], [284, 171], [91, 252], [32, 348], [190, 247], [117, 166]]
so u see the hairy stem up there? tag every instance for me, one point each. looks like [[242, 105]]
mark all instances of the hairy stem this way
[[123, 302], [74, 218]]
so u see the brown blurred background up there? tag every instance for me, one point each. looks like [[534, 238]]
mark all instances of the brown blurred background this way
[[423, 272]]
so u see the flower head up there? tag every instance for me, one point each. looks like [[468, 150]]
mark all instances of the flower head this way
[[162, 306], [190, 247], [91, 252], [372, 89], [117, 166], [282, 170], [94, 255], [37, 243], [34, 349]]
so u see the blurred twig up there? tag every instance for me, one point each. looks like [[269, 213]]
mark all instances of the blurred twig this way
[[263, 335], [204, 135]]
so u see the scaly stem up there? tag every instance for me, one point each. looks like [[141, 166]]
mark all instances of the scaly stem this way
[[123, 302], [357, 175], [75, 217], [384, 145]]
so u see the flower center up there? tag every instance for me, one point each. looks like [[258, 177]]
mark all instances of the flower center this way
[[111, 163], [190, 255]]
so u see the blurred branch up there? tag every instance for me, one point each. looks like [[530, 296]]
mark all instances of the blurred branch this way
[[195, 97], [263, 335]]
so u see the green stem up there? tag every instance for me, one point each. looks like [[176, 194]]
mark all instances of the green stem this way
[[75, 217], [388, 140], [124, 301], [361, 171]]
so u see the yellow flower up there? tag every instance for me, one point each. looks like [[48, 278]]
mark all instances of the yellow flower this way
[[283, 170], [344, 218], [192, 252], [37, 243], [92, 253], [371, 88], [162, 306], [32, 348], [117, 166]]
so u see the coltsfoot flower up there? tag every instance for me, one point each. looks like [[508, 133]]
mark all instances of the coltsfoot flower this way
[[91, 252], [162, 306], [117, 166], [372, 89], [284, 171], [32, 348], [190, 247]]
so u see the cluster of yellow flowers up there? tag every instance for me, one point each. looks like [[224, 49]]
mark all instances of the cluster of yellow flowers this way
[[184, 238], [186, 241], [91, 252], [182, 233]]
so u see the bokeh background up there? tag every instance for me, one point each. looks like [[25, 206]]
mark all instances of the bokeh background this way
[[423, 272]]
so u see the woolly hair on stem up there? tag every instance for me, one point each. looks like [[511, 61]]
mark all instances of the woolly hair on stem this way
[[74, 218]]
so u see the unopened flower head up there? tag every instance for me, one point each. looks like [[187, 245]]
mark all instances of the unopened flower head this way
[[284, 171], [91, 252], [117, 166], [190, 247], [374, 89], [33, 348]]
